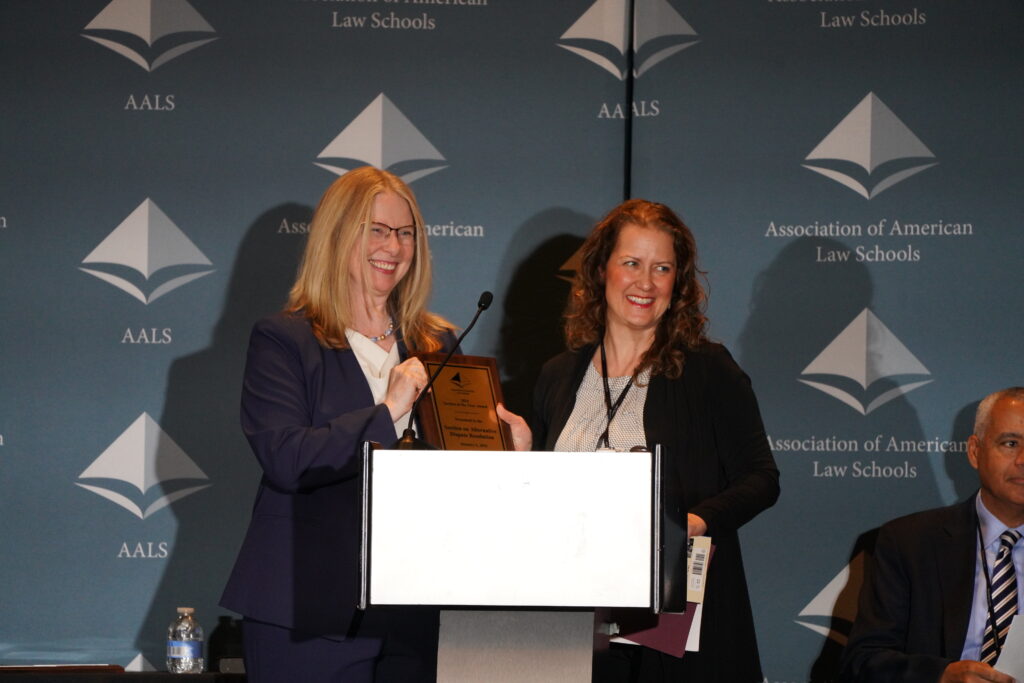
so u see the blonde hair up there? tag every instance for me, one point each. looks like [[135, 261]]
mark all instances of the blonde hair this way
[[321, 291]]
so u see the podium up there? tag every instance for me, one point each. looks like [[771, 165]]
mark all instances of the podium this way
[[519, 548]]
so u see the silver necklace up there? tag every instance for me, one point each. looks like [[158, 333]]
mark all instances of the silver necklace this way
[[387, 332]]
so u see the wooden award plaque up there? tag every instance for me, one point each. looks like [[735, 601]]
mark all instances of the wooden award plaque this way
[[459, 412]]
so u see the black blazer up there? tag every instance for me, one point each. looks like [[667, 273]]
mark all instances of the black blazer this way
[[714, 444], [915, 603], [306, 410]]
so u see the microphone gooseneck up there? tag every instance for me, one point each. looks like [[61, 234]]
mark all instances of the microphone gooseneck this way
[[409, 441]]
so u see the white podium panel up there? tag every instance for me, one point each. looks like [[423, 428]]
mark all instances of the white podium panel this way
[[535, 529]]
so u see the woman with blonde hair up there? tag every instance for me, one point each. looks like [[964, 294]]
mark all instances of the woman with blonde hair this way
[[326, 374]]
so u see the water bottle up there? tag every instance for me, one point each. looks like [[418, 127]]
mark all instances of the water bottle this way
[[185, 644]]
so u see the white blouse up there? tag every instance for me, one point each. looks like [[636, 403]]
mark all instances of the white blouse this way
[[376, 364], [585, 426]]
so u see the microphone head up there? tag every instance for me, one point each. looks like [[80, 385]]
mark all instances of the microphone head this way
[[485, 301]]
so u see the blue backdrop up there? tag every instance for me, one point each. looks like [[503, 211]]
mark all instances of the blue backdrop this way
[[851, 171]]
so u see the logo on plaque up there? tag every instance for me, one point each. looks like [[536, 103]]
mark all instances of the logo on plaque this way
[[146, 243], [149, 33], [382, 136], [601, 35], [836, 604], [866, 366], [143, 457], [870, 150]]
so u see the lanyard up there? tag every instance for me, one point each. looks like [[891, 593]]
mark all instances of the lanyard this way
[[612, 408]]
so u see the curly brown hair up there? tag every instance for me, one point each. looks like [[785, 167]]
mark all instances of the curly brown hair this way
[[683, 325]]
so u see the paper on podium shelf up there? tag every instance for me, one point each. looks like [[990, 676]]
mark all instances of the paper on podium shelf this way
[[673, 634], [693, 637], [1011, 659], [668, 633]]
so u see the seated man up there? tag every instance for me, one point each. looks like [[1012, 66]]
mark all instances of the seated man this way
[[933, 607]]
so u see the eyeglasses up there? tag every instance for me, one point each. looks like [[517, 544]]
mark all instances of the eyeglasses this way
[[381, 233]]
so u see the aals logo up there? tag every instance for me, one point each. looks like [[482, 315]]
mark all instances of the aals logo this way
[[457, 381], [831, 612], [601, 35], [140, 459], [870, 150], [149, 33], [865, 354], [140, 663], [382, 136], [145, 243]]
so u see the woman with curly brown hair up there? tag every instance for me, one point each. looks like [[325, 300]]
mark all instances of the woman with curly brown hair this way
[[640, 371]]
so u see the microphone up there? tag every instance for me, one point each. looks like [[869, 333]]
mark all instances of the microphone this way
[[409, 441]]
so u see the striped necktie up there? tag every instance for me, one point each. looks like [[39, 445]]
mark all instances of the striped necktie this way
[[1004, 597]]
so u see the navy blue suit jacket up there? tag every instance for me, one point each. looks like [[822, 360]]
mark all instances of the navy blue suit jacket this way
[[915, 604], [306, 410]]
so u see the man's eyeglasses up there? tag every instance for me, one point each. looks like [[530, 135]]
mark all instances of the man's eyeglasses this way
[[382, 233]]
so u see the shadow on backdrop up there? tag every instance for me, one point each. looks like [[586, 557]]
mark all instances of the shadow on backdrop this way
[[958, 468], [839, 624], [201, 414], [538, 271], [834, 490]]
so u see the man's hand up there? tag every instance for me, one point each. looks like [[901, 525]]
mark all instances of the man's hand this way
[[969, 671]]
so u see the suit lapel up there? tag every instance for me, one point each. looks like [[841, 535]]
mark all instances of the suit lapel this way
[[955, 558], [353, 377]]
